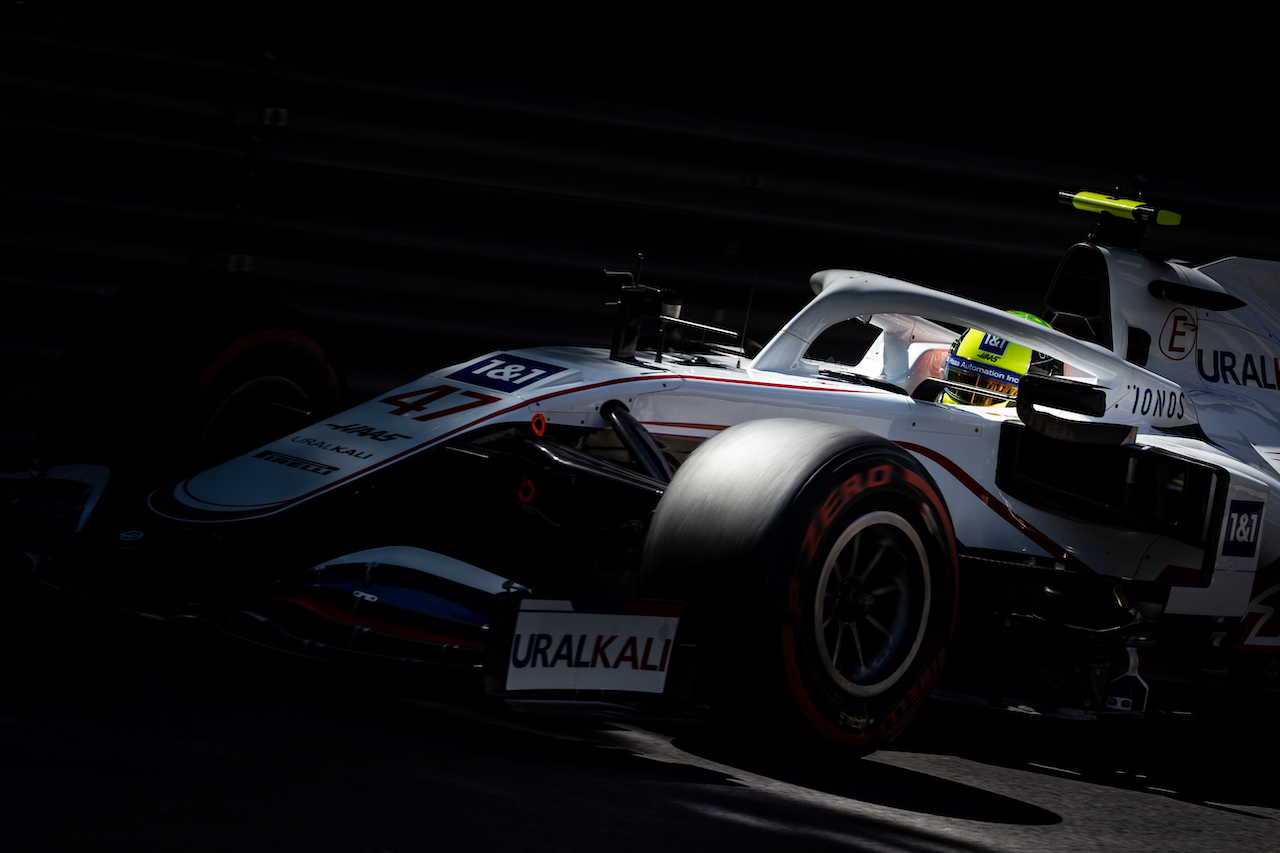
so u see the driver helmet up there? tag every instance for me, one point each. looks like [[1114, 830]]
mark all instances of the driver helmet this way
[[984, 362]]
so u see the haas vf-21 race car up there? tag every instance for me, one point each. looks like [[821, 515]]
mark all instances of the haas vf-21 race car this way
[[778, 536]]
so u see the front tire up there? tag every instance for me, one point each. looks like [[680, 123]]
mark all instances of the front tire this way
[[820, 568], [166, 381]]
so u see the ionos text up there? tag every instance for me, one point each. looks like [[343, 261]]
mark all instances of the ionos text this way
[[1159, 403]]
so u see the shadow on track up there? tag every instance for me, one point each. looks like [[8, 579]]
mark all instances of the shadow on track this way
[[160, 738], [872, 782], [1210, 762], [156, 738]]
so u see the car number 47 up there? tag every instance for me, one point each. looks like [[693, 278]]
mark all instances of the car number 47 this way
[[425, 399]]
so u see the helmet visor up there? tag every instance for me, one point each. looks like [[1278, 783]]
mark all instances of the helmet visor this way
[[966, 380]]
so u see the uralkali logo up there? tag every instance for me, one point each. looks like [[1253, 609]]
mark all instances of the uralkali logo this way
[[564, 645]]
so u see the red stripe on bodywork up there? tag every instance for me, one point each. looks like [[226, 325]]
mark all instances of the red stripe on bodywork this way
[[188, 513], [759, 384], [185, 512], [337, 614], [1260, 632], [712, 427], [999, 508]]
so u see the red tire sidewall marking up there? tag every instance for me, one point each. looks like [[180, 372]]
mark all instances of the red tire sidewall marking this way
[[848, 488], [810, 711], [213, 370], [267, 336]]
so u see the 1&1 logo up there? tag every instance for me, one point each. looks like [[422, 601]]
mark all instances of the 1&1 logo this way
[[993, 344], [1243, 524], [506, 372]]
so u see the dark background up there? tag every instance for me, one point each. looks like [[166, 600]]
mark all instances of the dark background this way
[[432, 185], [428, 186]]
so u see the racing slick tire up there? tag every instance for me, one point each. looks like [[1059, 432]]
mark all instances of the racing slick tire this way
[[165, 381], [819, 567]]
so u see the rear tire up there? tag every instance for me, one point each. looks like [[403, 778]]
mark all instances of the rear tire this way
[[820, 569]]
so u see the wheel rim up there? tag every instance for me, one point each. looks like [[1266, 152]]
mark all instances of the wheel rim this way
[[871, 605]]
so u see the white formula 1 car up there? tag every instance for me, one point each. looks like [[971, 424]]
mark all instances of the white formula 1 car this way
[[777, 537]]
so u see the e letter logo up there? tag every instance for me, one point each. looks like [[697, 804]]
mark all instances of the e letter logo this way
[[1178, 337]]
